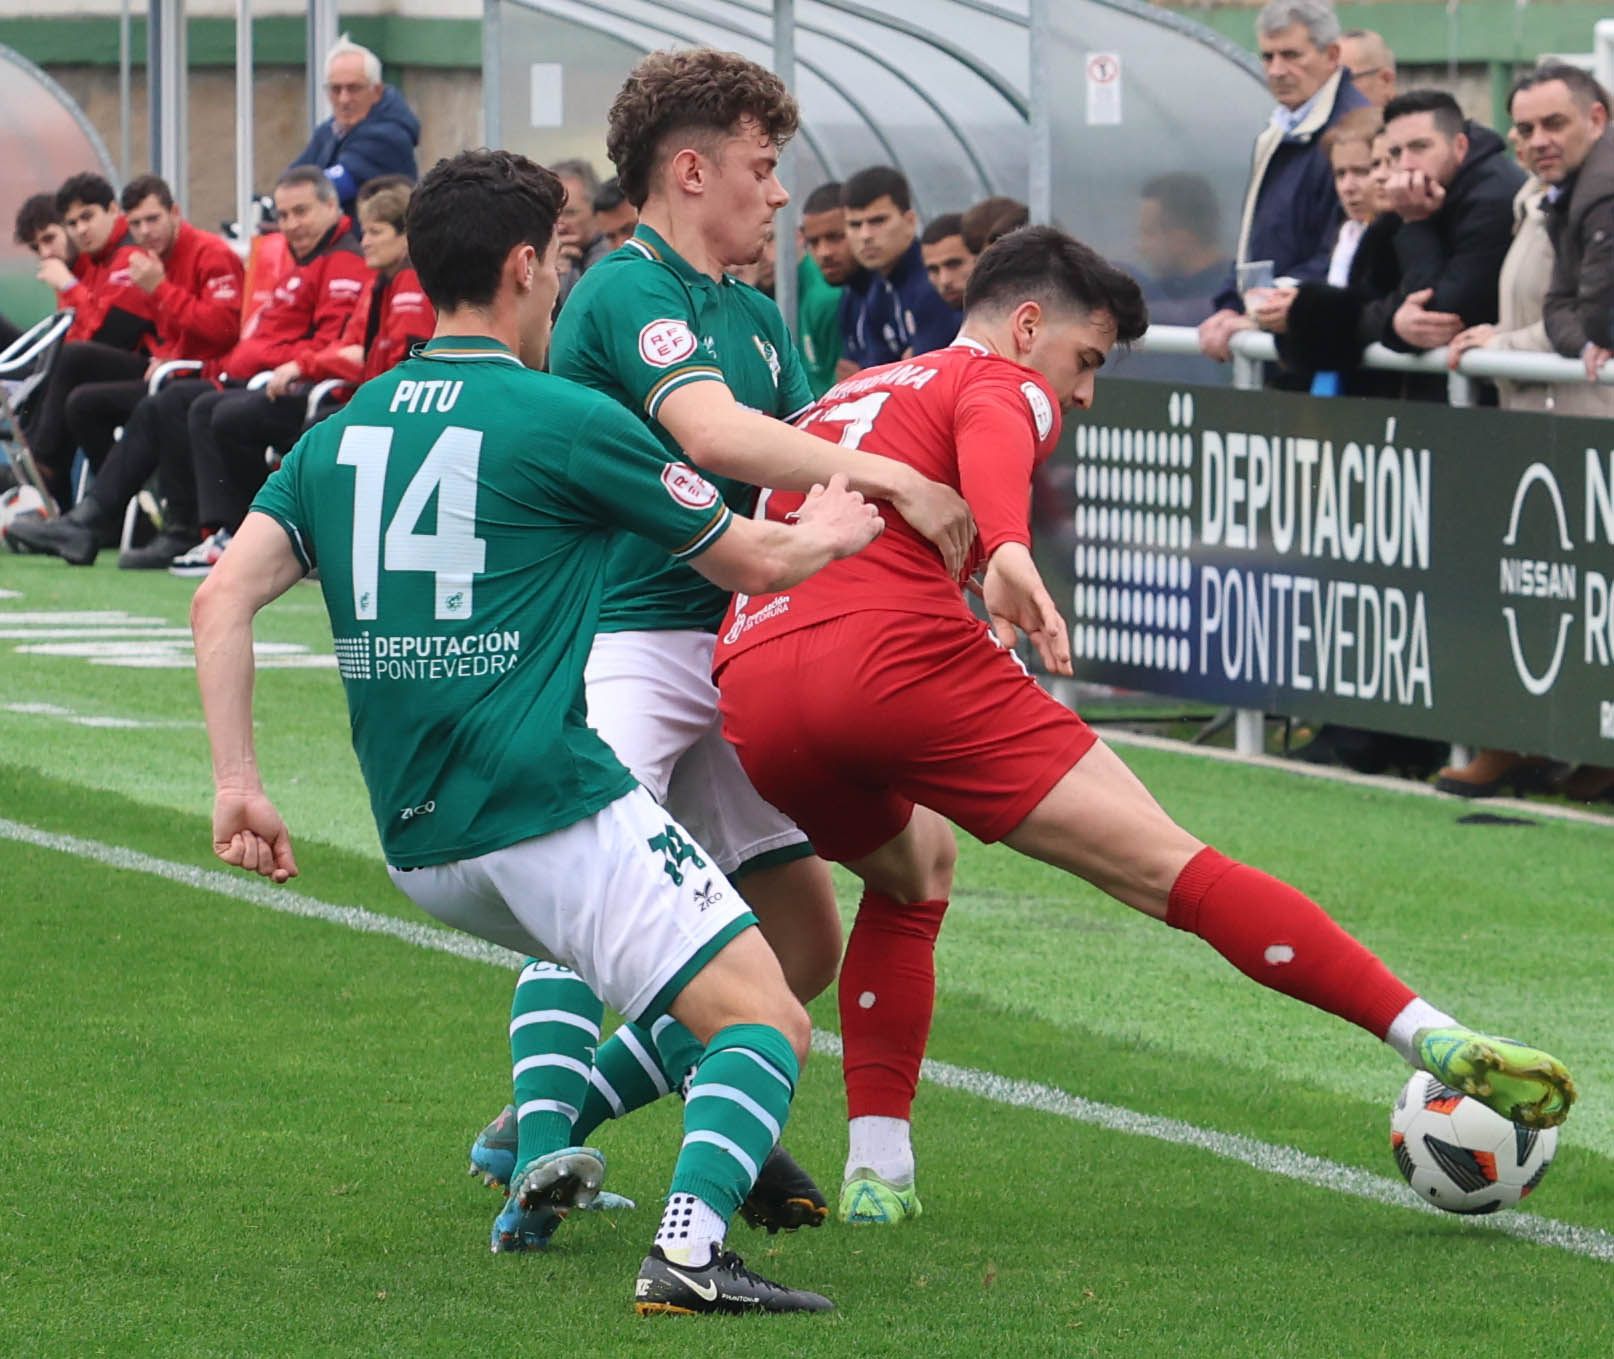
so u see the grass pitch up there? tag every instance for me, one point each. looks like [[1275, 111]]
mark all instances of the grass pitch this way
[[233, 1132]]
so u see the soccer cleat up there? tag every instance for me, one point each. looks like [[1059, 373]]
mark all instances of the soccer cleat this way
[[159, 554], [203, 557], [493, 1152], [1524, 1084], [723, 1285], [784, 1196], [543, 1193], [867, 1200]]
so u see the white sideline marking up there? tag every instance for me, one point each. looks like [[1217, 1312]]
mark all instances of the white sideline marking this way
[[1288, 1162]]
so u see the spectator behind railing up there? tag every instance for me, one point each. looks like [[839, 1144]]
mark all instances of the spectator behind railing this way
[[582, 244], [614, 217], [890, 311], [1323, 327], [1371, 63], [371, 132], [228, 449], [826, 266], [309, 308], [1561, 118], [1290, 210], [1453, 189], [948, 261], [193, 281]]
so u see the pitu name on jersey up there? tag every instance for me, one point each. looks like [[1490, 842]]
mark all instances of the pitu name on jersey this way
[[421, 398]]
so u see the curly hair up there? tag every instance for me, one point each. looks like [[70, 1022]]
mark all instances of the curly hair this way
[[695, 96]]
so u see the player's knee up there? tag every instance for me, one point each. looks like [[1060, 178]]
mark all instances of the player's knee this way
[[797, 1028]]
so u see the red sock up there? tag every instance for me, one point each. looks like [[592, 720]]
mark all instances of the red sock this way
[[1279, 936], [887, 995]]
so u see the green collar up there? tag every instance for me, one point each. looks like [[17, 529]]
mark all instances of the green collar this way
[[649, 244], [465, 347]]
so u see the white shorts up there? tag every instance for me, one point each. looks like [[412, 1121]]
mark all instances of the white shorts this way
[[651, 696], [625, 898]]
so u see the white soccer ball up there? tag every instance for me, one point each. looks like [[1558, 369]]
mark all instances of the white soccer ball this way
[[17, 502], [1459, 1155]]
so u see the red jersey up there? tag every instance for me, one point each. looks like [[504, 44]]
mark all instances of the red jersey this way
[[198, 303], [109, 308], [306, 312], [960, 415], [392, 314]]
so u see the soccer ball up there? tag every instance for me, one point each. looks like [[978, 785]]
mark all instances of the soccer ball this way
[[18, 502], [1458, 1155]]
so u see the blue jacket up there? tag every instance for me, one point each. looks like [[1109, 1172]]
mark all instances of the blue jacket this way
[[884, 316], [1291, 213], [383, 143]]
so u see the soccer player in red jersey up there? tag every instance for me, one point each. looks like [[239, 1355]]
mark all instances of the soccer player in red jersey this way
[[915, 713]]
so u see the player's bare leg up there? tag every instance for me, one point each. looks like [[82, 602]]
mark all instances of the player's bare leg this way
[[1102, 824], [794, 903], [887, 997]]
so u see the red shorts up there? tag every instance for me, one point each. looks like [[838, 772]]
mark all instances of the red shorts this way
[[845, 725]]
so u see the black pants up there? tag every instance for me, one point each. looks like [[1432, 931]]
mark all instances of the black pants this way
[[96, 410], [48, 432], [229, 433], [155, 439]]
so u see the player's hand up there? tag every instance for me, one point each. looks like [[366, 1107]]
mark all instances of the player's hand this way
[[1475, 337], [1016, 598], [1273, 313], [145, 271], [940, 514], [281, 379], [1594, 356], [847, 521], [1422, 328], [1414, 196], [248, 833], [54, 272]]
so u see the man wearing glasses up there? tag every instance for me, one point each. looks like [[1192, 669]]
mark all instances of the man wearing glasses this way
[[371, 130], [1371, 63]]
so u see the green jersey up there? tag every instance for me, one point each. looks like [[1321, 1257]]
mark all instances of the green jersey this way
[[460, 510], [818, 322], [641, 325]]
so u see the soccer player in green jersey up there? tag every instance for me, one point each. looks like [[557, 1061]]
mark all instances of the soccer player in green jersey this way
[[461, 510], [707, 365]]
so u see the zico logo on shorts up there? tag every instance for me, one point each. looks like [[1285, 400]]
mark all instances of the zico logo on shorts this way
[[664, 343], [687, 486]]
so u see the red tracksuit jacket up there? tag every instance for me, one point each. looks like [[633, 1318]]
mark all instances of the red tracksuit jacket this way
[[110, 309], [392, 315], [198, 303]]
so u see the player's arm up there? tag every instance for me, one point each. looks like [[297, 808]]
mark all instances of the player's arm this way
[[258, 566], [757, 556], [724, 437]]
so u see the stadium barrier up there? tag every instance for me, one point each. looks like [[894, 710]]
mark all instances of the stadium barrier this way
[[1397, 565]]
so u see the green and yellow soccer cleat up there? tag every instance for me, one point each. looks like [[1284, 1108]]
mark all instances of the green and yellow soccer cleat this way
[[869, 1201], [1524, 1084]]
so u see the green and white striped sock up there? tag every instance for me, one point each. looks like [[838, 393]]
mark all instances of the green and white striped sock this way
[[635, 1067], [554, 1026]]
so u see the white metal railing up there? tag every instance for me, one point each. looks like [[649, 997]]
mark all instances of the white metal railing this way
[[1254, 347]]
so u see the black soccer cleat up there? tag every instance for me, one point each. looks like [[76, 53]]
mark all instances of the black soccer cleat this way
[[722, 1286], [784, 1196]]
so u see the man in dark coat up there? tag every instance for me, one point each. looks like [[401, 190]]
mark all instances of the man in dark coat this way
[[1290, 212], [1452, 185], [1559, 115], [371, 131]]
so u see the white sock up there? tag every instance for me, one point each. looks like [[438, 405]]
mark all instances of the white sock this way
[[883, 1145], [691, 1231], [1419, 1014]]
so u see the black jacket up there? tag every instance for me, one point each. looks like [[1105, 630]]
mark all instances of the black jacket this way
[[1580, 221], [1459, 251]]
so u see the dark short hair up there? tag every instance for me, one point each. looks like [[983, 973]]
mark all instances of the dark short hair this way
[[312, 176], [1583, 86], [980, 218], [878, 181], [610, 196], [1187, 201], [1043, 264], [940, 228], [512, 201], [1449, 120], [88, 187], [37, 212], [142, 187], [697, 94], [825, 198]]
